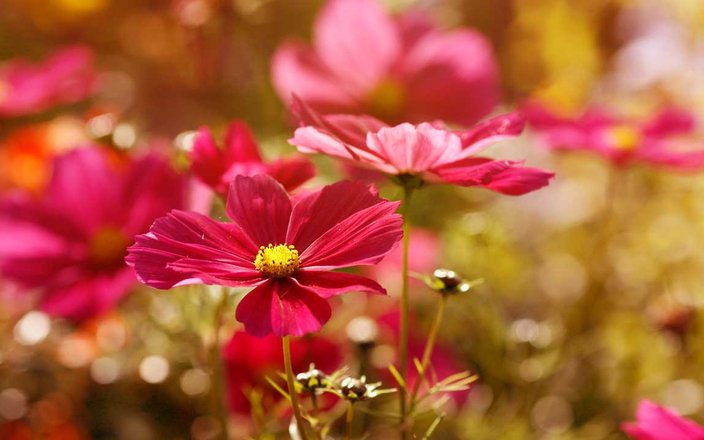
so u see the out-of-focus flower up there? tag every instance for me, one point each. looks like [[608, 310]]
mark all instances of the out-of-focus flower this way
[[26, 154], [217, 167], [70, 243], [356, 390], [421, 151], [665, 139], [250, 360], [398, 69], [65, 77], [284, 247], [654, 422]]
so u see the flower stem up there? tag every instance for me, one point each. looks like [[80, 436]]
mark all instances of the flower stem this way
[[217, 370], [405, 309], [300, 423], [428, 351], [348, 421]]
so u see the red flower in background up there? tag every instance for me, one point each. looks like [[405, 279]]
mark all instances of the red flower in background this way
[[250, 360], [65, 77], [285, 248], [398, 69], [654, 422], [217, 167], [69, 244], [426, 151], [665, 139]]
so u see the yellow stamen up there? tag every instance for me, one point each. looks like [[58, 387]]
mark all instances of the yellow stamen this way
[[277, 261], [387, 100], [625, 137]]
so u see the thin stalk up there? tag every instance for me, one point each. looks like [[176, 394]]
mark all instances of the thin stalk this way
[[217, 373], [405, 310], [428, 351], [348, 421], [300, 423]]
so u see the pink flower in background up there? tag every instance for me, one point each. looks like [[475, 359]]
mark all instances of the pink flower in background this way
[[70, 243], [249, 360], [666, 139], [217, 167], [398, 69], [426, 151], [284, 247], [654, 422], [65, 77]]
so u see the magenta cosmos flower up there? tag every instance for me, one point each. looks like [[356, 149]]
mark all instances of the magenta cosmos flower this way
[[654, 422], [426, 151], [666, 139], [398, 69], [65, 77], [217, 166], [285, 247], [69, 245]]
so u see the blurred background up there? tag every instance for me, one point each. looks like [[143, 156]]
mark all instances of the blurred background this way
[[594, 286]]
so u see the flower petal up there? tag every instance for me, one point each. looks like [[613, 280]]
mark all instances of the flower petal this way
[[282, 307], [357, 40], [365, 237], [291, 173], [317, 212], [207, 162], [504, 176], [185, 248], [240, 145], [488, 132], [327, 284], [260, 206]]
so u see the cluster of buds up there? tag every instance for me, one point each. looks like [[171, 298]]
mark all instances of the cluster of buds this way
[[349, 388], [449, 282]]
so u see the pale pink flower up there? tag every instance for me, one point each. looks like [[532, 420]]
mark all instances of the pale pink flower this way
[[362, 60]]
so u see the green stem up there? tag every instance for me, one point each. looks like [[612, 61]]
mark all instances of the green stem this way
[[428, 351], [348, 421], [405, 310], [300, 423], [217, 372]]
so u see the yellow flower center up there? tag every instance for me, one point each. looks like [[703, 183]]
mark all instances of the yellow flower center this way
[[625, 137], [108, 247], [277, 261], [387, 100]]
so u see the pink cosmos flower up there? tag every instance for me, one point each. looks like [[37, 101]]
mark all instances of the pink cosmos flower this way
[[67, 76], [70, 243], [284, 247], [216, 166], [654, 422], [249, 360], [666, 139], [431, 153], [396, 68]]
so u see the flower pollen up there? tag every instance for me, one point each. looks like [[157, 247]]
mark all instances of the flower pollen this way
[[277, 261], [625, 137]]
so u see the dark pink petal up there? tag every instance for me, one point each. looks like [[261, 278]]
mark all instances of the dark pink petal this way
[[185, 248], [450, 76], [240, 145], [295, 68], [327, 284], [670, 122], [490, 131], [260, 206], [656, 422], [152, 188], [291, 173], [365, 237], [282, 307], [317, 212], [357, 40], [207, 161], [506, 177], [89, 296], [85, 185]]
